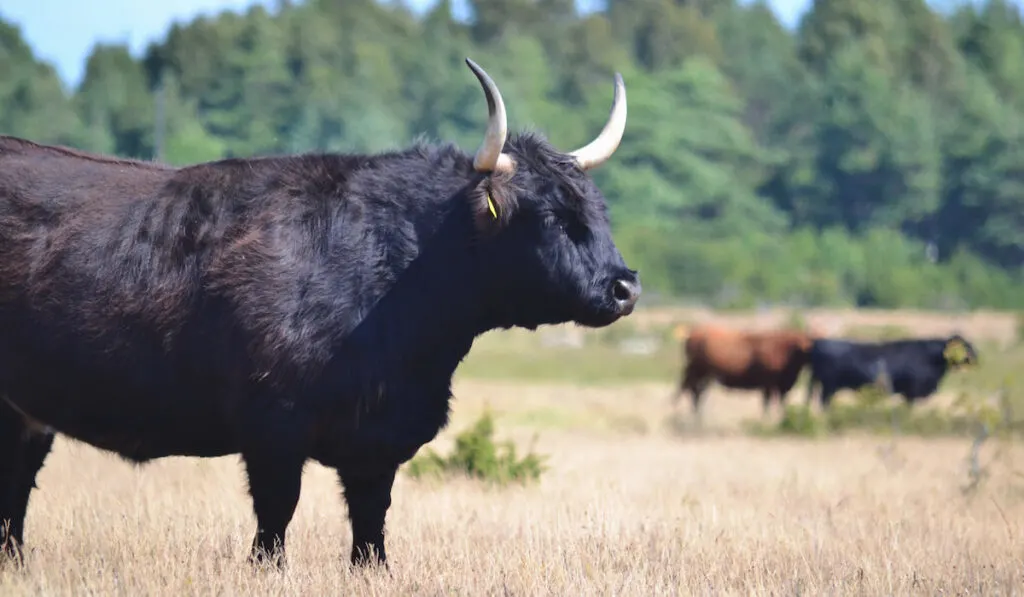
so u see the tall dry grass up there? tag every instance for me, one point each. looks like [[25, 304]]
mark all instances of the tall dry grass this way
[[625, 509]]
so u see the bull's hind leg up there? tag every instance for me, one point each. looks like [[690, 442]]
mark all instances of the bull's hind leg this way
[[368, 496], [22, 453]]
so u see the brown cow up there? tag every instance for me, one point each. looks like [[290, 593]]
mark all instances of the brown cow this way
[[769, 361]]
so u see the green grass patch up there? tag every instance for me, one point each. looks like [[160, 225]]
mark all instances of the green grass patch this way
[[873, 412]]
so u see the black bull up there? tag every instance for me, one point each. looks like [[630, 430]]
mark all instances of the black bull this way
[[283, 308], [912, 368]]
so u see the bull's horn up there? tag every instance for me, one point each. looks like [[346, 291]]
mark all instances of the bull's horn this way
[[489, 157], [600, 149]]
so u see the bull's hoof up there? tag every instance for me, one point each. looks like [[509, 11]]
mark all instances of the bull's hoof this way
[[261, 559], [363, 560]]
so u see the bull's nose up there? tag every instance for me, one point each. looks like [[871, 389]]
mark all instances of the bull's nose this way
[[626, 293]]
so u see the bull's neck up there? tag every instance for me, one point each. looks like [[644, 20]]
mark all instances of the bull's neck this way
[[424, 324]]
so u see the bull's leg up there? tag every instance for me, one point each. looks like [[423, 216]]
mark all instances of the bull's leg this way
[[687, 381], [368, 496], [23, 453], [783, 398], [766, 402], [697, 398], [274, 483], [827, 391], [35, 449], [274, 452], [810, 391]]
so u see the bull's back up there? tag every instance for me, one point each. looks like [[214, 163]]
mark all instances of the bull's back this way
[[46, 185], [916, 367], [748, 360], [846, 364], [96, 306], [781, 351], [86, 242], [719, 350]]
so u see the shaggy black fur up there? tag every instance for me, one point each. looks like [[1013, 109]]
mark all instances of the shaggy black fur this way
[[283, 308]]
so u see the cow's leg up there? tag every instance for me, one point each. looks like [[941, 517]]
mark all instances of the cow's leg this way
[[23, 452], [827, 391], [688, 381], [697, 399], [766, 402], [783, 398], [274, 483], [275, 449], [811, 382], [368, 495]]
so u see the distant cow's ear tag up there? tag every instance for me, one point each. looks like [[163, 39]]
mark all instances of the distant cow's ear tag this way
[[955, 351], [490, 206]]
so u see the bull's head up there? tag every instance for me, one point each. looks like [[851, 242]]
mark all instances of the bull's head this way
[[544, 224], [959, 353]]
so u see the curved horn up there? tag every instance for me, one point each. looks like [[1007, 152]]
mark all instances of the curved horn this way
[[600, 149], [489, 157]]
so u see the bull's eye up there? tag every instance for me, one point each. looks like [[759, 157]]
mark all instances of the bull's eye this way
[[553, 221]]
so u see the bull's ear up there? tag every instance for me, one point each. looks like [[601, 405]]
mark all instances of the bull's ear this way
[[493, 203]]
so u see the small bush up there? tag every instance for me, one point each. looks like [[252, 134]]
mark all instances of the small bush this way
[[799, 420], [477, 456]]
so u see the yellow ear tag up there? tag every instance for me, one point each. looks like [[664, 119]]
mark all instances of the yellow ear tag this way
[[955, 352], [490, 205]]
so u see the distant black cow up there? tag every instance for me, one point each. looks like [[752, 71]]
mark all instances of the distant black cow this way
[[911, 368], [283, 308]]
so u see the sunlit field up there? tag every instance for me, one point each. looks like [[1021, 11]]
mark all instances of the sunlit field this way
[[636, 500]]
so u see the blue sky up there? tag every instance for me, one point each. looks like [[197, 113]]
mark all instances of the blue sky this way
[[62, 32]]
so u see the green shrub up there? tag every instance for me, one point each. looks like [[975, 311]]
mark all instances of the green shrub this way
[[875, 412], [478, 456], [799, 420]]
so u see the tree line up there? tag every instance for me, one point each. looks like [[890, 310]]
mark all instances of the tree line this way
[[872, 157]]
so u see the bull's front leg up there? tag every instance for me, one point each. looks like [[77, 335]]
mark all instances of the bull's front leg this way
[[368, 495]]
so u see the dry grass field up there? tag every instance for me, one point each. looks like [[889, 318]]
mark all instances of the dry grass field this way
[[627, 507]]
